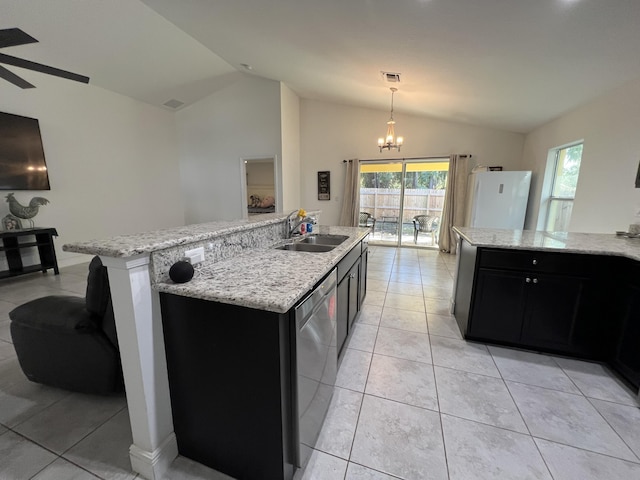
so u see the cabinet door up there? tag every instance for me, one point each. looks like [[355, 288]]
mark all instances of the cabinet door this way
[[552, 318], [363, 277], [342, 317], [353, 293], [498, 305], [627, 354]]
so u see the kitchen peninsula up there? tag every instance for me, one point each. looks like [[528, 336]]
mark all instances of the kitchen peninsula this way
[[241, 270], [574, 294]]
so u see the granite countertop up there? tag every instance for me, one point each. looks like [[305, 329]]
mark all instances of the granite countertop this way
[[265, 278], [570, 242], [139, 243]]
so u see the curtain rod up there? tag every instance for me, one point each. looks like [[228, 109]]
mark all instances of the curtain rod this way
[[433, 157]]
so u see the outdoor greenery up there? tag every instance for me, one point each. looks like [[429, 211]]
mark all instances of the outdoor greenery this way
[[431, 180], [567, 170]]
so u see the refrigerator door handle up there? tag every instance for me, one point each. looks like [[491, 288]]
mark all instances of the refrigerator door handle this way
[[501, 189]]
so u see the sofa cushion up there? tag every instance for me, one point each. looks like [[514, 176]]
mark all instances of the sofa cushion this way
[[56, 313]]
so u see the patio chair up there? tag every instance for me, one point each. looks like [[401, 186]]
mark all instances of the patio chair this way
[[367, 220], [425, 224]]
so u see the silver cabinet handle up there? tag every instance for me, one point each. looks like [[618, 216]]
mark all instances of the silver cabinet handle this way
[[535, 262], [535, 280], [528, 280]]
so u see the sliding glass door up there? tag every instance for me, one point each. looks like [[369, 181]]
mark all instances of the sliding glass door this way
[[403, 199]]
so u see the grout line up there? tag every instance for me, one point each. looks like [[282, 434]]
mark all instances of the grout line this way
[[613, 428], [524, 421], [584, 450], [355, 431]]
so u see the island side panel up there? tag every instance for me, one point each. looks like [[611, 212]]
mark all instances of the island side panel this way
[[464, 284], [229, 378]]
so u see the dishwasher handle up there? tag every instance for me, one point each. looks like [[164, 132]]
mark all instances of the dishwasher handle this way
[[306, 307]]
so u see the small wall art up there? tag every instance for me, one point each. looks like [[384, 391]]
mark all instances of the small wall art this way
[[324, 185]]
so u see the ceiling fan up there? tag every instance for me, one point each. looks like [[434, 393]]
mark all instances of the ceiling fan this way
[[10, 37]]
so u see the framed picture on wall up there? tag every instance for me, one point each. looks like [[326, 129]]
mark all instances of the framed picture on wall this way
[[324, 185]]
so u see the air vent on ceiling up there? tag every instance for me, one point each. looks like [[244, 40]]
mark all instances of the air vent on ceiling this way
[[391, 77], [173, 103]]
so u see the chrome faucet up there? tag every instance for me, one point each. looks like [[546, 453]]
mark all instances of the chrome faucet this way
[[292, 228], [297, 224]]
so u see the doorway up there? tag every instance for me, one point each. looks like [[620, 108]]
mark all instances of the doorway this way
[[404, 198], [260, 186]]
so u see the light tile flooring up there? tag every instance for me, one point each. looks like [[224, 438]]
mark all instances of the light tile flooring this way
[[413, 401]]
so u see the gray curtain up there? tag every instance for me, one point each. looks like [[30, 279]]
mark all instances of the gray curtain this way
[[454, 203], [351, 195]]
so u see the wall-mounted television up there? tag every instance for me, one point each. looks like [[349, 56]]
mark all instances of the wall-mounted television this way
[[22, 163]]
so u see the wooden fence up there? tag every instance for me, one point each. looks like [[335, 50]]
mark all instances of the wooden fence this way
[[385, 202]]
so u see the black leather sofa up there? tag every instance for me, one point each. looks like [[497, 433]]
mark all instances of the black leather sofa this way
[[70, 342]]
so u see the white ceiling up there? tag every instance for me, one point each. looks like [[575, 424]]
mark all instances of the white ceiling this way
[[510, 64]]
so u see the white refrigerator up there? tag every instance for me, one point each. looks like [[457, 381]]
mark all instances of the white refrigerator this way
[[497, 199]]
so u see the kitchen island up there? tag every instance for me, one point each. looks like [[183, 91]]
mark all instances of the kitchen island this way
[[573, 294], [241, 269]]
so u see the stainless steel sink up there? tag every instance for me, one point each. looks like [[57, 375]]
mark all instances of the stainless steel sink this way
[[306, 247], [324, 239]]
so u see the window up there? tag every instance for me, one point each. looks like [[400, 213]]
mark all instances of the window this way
[[563, 189], [395, 192]]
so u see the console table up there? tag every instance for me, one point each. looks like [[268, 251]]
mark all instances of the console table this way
[[12, 248]]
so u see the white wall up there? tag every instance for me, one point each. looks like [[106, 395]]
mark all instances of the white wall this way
[[290, 110], [240, 120], [606, 199], [111, 160], [331, 133]]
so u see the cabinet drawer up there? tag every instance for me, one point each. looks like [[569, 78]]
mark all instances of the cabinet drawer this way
[[347, 261], [534, 261]]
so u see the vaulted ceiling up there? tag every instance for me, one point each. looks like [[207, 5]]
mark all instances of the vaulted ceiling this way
[[509, 64]]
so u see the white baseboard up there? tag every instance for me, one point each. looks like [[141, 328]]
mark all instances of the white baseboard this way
[[153, 465]]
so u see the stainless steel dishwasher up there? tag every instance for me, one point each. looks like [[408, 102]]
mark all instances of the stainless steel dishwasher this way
[[316, 362]]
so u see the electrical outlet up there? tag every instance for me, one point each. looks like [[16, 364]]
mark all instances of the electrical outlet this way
[[195, 255]]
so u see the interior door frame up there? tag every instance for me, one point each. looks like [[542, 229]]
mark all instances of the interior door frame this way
[[277, 184]]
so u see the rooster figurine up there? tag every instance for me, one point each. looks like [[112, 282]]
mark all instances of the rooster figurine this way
[[26, 213]]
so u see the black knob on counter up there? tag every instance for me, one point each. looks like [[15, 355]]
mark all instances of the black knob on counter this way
[[181, 272]]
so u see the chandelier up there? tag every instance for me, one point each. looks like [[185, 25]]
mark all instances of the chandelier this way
[[390, 141]]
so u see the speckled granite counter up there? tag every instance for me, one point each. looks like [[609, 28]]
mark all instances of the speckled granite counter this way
[[241, 267], [589, 243], [138, 243], [265, 278]]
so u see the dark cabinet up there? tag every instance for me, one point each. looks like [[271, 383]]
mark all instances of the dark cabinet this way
[[498, 305], [363, 273], [555, 317], [352, 274], [353, 278], [342, 317], [230, 379], [536, 300], [626, 352], [575, 304], [348, 305]]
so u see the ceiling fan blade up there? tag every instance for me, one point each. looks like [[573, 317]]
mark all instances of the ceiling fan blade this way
[[10, 37], [38, 67], [13, 78]]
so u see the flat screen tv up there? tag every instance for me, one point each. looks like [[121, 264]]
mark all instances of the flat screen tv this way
[[22, 163]]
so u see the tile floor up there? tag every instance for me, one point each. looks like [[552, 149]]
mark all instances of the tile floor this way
[[413, 401]]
